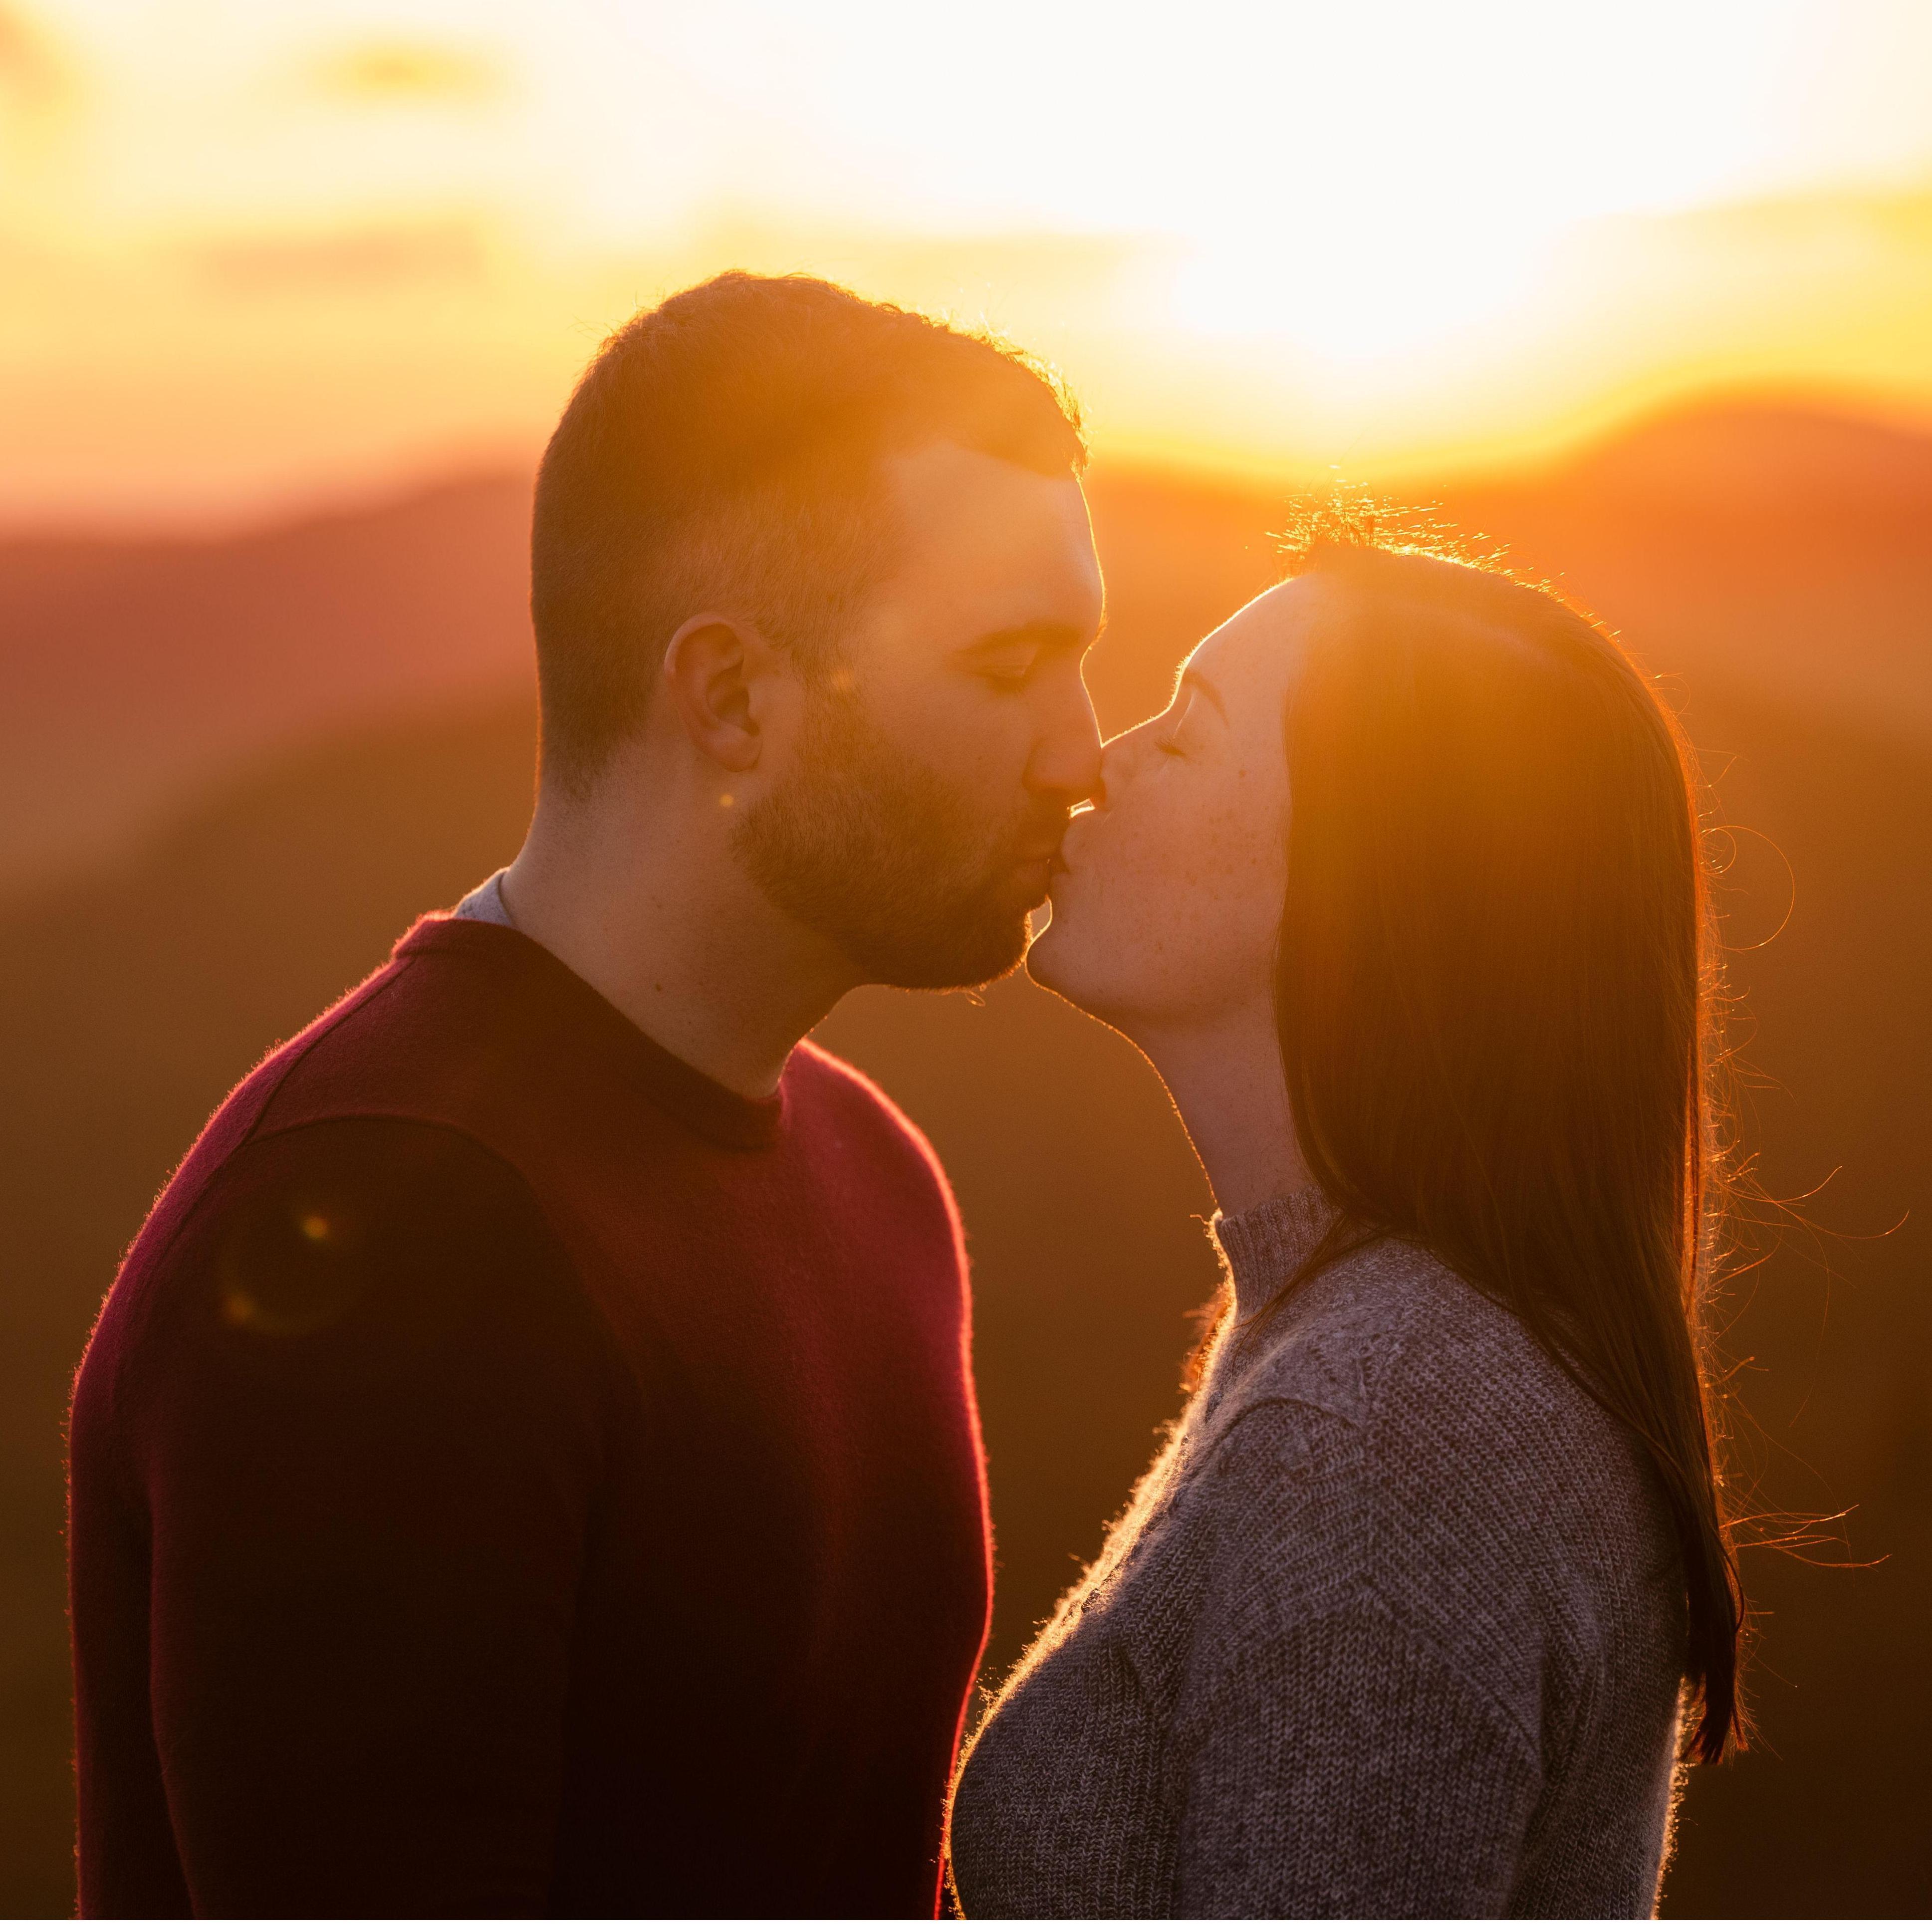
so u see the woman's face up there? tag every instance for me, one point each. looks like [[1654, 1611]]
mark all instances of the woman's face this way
[[1167, 899]]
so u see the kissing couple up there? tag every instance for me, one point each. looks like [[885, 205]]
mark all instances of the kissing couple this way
[[527, 1463]]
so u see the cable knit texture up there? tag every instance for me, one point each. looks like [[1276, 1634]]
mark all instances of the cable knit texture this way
[[1393, 1626]]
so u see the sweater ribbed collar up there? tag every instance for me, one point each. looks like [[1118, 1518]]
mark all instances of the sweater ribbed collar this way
[[605, 1037], [1264, 1245]]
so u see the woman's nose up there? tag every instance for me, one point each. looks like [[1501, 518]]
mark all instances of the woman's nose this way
[[1117, 757]]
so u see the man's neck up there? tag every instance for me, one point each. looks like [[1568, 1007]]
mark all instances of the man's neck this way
[[679, 942], [1225, 1082]]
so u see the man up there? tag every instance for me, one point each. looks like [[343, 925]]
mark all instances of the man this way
[[527, 1463]]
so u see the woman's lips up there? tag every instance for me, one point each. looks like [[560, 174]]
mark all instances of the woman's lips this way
[[1046, 860], [1063, 856], [1039, 875]]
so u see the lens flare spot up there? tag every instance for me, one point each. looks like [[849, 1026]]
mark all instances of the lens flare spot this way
[[315, 1227], [725, 799]]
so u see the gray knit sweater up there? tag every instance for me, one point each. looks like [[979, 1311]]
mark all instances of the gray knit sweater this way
[[1393, 1626]]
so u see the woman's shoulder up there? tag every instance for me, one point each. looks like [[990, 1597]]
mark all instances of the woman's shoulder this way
[[1390, 1330], [1398, 1432], [1437, 1404]]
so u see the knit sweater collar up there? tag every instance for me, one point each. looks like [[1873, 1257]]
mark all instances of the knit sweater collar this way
[[1264, 1245], [598, 1030]]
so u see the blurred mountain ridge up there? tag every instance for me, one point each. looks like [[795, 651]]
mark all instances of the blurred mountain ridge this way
[[139, 672], [1753, 453]]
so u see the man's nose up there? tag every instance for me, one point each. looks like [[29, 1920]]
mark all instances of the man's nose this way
[[1067, 759]]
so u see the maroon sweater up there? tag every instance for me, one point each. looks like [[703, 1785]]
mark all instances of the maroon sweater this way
[[514, 1474]]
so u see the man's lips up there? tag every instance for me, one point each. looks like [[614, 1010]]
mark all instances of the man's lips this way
[[1034, 868], [1037, 858], [1043, 850]]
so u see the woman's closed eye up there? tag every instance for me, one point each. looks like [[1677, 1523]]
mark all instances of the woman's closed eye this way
[[1173, 741]]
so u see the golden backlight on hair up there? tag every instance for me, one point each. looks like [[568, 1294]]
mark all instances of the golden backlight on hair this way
[[1496, 996]]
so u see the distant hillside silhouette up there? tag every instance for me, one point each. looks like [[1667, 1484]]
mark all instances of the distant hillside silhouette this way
[[137, 989], [1763, 457], [137, 673], [1784, 550]]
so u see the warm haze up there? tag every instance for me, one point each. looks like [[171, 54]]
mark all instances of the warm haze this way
[[290, 294], [256, 252]]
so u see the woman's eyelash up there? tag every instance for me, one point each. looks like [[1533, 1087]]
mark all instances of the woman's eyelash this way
[[1169, 741]]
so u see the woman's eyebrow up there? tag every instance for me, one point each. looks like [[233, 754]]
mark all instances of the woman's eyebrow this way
[[1194, 679]]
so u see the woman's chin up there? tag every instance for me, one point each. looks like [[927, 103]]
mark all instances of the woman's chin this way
[[1053, 959]]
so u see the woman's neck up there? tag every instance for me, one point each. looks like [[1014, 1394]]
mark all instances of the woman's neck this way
[[1226, 1082]]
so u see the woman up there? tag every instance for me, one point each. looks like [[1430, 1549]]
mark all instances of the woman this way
[[1401, 895]]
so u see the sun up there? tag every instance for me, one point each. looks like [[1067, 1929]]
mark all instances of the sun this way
[[1358, 301]]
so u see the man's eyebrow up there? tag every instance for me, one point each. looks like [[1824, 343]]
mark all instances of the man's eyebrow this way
[[1045, 631], [1207, 691]]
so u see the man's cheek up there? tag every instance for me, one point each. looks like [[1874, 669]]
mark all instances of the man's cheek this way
[[985, 783], [997, 769]]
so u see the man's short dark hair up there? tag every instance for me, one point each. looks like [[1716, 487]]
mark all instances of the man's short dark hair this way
[[721, 452]]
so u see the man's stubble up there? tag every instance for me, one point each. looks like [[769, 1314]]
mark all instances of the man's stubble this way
[[868, 845]]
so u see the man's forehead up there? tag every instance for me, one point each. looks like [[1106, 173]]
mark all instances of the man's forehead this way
[[942, 487], [1015, 545]]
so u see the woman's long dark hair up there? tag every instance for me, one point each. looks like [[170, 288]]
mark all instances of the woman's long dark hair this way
[[1496, 994]]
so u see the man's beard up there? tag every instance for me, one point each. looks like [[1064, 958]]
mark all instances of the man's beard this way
[[867, 846]]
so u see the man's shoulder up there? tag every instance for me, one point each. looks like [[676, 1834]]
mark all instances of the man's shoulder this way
[[827, 1085], [833, 1096], [361, 1066], [424, 1034], [241, 1114], [333, 1281], [343, 1225]]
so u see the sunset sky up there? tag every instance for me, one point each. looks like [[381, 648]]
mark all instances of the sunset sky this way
[[252, 254]]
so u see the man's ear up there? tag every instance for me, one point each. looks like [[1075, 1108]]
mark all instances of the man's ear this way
[[717, 672]]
